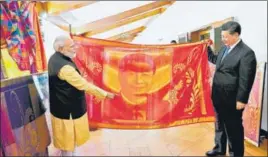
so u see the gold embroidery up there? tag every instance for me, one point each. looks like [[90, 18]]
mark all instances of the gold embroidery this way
[[135, 124], [189, 59], [189, 76], [178, 66], [173, 94], [200, 84], [94, 66], [194, 50], [195, 96], [179, 85]]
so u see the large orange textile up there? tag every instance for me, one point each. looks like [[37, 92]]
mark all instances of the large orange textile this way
[[156, 86]]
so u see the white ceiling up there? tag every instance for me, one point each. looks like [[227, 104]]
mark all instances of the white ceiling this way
[[102, 9]]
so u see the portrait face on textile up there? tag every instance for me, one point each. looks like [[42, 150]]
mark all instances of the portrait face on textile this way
[[140, 84], [135, 77], [168, 84]]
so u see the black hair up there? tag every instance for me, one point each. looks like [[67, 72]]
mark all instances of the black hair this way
[[173, 42], [232, 27]]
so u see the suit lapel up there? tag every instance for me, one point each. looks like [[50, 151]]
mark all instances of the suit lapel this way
[[238, 46], [218, 63], [233, 51]]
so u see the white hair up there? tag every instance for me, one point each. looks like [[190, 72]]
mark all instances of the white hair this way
[[59, 42]]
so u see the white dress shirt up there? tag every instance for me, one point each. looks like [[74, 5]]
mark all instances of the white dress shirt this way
[[233, 46]]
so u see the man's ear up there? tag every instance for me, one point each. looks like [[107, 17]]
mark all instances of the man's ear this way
[[236, 34], [61, 49]]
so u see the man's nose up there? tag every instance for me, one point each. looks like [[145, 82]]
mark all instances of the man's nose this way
[[139, 78]]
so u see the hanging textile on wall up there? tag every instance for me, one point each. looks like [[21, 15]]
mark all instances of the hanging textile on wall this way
[[20, 32], [156, 86], [16, 30], [2, 68], [10, 67], [253, 110], [40, 57], [25, 130]]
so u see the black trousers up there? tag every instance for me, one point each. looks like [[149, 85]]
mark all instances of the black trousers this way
[[228, 123]]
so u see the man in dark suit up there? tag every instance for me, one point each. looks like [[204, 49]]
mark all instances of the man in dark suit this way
[[232, 83]]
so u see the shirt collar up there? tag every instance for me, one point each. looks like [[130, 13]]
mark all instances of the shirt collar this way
[[231, 47]]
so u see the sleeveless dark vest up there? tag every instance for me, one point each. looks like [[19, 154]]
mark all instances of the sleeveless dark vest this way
[[65, 100]]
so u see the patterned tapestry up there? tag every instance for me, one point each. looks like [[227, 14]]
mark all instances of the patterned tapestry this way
[[156, 86], [253, 110], [24, 129], [21, 39]]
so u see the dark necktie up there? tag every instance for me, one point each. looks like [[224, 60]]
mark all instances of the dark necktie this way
[[225, 53]]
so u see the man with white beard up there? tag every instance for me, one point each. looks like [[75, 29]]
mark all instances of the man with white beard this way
[[67, 98]]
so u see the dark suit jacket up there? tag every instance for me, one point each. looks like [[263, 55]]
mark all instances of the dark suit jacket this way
[[236, 73]]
